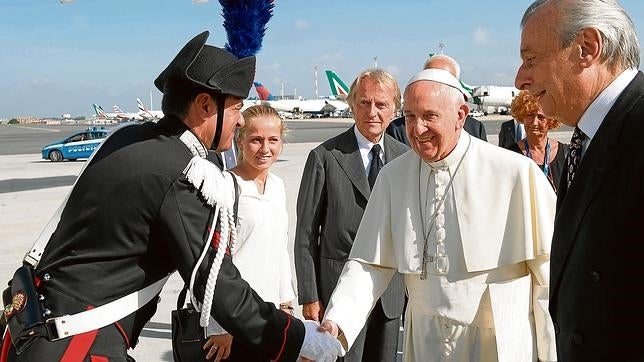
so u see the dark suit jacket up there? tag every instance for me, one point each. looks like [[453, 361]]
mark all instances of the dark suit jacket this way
[[507, 134], [597, 246], [332, 198], [472, 126], [475, 127]]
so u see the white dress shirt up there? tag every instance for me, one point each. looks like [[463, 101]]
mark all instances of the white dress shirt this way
[[594, 115], [364, 145]]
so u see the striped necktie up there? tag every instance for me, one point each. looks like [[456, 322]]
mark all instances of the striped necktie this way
[[575, 154]]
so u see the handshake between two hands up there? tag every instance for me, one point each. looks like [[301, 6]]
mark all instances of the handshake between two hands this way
[[320, 342]]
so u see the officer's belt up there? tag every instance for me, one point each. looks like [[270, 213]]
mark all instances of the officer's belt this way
[[99, 317]]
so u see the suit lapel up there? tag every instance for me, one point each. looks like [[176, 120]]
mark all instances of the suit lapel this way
[[348, 156], [600, 158], [393, 148]]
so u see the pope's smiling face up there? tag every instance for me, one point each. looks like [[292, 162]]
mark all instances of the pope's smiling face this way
[[434, 117]]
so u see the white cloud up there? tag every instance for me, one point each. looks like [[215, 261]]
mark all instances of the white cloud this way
[[302, 24], [480, 36]]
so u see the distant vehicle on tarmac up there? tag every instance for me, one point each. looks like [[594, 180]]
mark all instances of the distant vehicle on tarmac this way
[[79, 145]]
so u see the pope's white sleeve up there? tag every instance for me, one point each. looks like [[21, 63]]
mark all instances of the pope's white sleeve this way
[[214, 328], [543, 214], [357, 291], [545, 333]]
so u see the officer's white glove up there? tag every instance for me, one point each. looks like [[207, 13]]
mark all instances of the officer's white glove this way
[[320, 346]]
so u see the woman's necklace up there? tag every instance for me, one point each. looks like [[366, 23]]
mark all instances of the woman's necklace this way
[[546, 158], [440, 259]]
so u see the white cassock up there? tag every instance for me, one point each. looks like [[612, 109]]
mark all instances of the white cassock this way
[[494, 228]]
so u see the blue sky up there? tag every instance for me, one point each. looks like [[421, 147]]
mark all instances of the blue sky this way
[[60, 58]]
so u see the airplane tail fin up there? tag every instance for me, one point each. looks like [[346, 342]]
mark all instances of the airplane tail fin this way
[[338, 88], [116, 109], [141, 106], [262, 92], [468, 88], [143, 111], [100, 113], [476, 99]]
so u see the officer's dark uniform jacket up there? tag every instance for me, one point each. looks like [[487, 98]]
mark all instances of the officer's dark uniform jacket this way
[[131, 219]]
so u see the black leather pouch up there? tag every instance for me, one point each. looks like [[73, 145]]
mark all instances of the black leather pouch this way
[[24, 313], [187, 335]]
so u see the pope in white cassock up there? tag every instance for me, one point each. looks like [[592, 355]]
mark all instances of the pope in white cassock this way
[[469, 225]]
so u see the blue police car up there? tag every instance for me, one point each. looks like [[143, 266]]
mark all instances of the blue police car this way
[[79, 145]]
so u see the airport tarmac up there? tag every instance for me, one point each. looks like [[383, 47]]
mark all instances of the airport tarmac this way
[[31, 189]]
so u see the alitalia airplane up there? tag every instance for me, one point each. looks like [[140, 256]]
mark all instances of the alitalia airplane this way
[[325, 107], [338, 88]]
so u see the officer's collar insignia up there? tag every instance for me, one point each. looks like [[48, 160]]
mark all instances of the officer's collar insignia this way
[[194, 145]]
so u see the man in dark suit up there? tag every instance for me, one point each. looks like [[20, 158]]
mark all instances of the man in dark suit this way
[[511, 132], [335, 188], [475, 127], [472, 125], [587, 78]]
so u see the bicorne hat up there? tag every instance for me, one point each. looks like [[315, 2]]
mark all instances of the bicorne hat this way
[[210, 67]]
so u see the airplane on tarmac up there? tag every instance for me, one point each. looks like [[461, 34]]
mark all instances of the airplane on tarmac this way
[[323, 107], [147, 113], [126, 115], [492, 98], [117, 114]]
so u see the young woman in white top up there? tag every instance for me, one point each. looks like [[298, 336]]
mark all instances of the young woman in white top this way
[[260, 252]]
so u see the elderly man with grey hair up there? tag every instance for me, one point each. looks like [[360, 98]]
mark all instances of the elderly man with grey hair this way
[[469, 225], [580, 59]]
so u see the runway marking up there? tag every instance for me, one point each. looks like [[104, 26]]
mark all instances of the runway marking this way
[[37, 129]]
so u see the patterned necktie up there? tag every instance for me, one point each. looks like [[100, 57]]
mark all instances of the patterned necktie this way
[[376, 165], [575, 154]]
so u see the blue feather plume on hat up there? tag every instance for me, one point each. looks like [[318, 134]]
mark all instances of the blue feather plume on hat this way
[[245, 23]]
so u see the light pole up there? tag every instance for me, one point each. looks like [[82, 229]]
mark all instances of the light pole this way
[[316, 82], [375, 62]]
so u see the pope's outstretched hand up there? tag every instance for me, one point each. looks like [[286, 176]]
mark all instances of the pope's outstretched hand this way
[[320, 346]]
